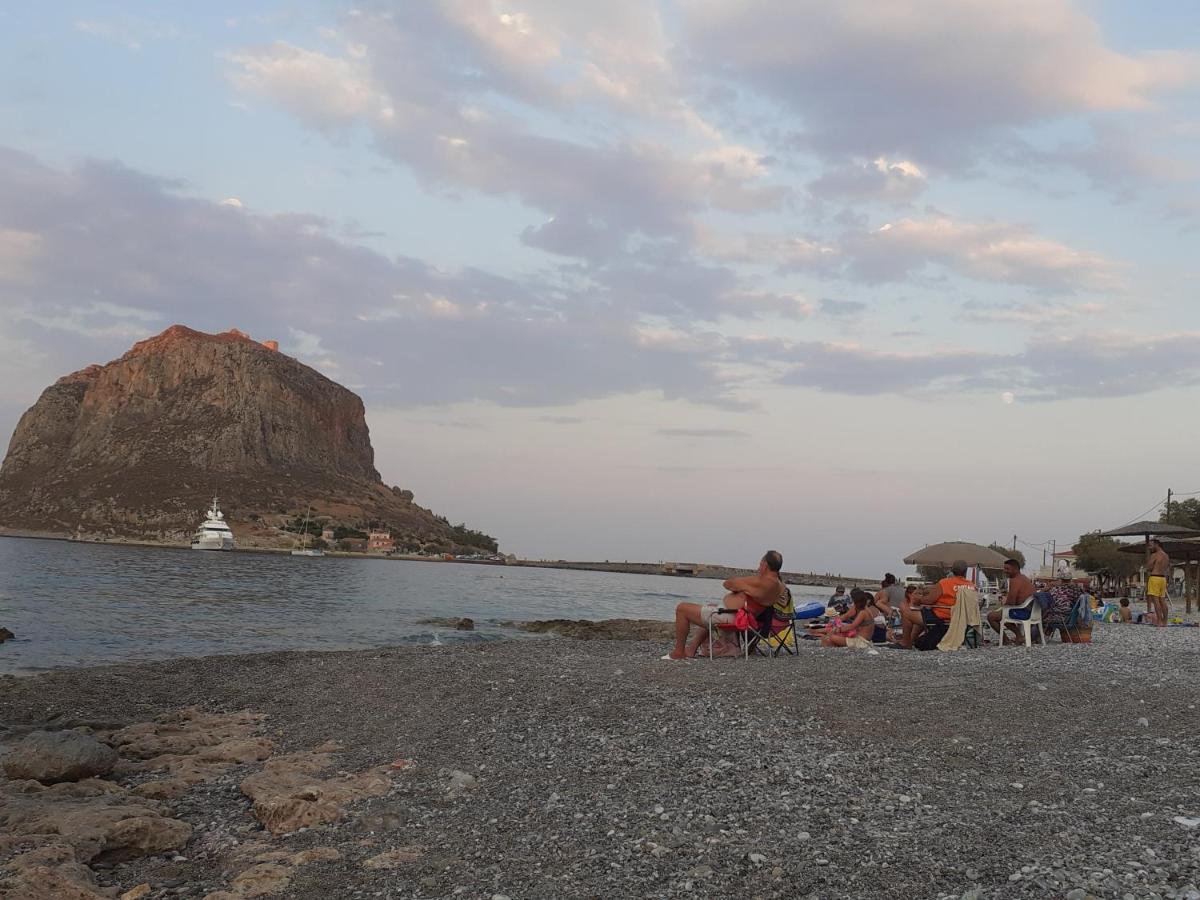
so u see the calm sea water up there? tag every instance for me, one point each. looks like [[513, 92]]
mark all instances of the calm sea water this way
[[86, 604]]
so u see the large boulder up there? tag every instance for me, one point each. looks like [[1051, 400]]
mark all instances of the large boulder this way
[[54, 756]]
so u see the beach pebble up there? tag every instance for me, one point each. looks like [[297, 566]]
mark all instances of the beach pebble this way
[[460, 782]]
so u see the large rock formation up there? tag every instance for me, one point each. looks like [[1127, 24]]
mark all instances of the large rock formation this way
[[138, 447]]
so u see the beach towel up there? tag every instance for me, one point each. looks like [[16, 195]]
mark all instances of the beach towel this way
[[963, 615], [1081, 613]]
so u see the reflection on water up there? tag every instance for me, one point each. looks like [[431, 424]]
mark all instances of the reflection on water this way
[[82, 604]]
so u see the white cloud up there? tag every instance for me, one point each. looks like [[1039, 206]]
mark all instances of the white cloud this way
[[985, 251], [132, 32], [1030, 314], [878, 180], [1084, 364], [122, 254], [325, 91], [927, 77], [453, 90], [19, 252]]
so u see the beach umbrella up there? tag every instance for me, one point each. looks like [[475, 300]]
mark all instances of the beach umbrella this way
[[1185, 553], [948, 553], [1148, 530]]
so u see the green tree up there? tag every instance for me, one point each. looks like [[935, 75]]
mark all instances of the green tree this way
[[1009, 553], [1101, 556], [1182, 512], [472, 538]]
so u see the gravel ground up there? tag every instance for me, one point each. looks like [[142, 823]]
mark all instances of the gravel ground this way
[[601, 771]]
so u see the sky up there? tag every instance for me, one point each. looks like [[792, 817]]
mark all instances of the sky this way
[[649, 279]]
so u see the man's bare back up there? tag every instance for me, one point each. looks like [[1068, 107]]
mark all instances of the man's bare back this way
[[1020, 589], [1159, 563]]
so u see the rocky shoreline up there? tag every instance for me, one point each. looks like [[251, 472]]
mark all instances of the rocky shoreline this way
[[591, 768]]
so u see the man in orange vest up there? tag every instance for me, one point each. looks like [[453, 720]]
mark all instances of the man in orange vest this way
[[933, 608]]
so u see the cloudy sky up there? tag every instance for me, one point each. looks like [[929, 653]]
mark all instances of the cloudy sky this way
[[648, 279]]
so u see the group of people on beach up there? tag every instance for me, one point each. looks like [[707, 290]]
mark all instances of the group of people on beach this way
[[862, 618]]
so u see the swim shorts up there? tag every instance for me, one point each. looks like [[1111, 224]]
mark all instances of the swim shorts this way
[[709, 614], [1156, 586]]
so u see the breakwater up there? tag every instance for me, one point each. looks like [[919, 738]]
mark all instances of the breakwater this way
[[697, 570]]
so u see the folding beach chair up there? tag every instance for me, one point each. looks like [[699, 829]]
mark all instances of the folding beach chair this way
[[781, 635], [746, 629]]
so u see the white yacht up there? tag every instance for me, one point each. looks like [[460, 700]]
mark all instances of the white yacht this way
[[214, 533]]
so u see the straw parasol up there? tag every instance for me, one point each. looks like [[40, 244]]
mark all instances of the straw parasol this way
[[1149, 529], [1183, 553], [952, 551], [1146, 530]]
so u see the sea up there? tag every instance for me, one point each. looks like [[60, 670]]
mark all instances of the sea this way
[[82, 604]]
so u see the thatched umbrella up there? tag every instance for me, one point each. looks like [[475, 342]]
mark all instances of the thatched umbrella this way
[[951, 552], [1148, 530]]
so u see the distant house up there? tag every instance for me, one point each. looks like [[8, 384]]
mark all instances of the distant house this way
[[380, 542], [327, 535], [678, 568], [1063, 566]]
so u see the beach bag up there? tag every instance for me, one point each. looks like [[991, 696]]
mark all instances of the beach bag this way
[[932, 636]]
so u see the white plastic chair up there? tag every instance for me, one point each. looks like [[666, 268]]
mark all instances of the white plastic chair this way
[[1035, 618]]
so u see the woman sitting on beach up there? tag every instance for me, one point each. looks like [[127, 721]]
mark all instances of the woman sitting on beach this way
[[1057, 608], [859, 621]]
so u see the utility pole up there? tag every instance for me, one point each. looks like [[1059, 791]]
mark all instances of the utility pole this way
[[1169, 504]]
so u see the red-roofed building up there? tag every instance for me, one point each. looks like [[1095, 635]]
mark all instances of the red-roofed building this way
[[380, 542]]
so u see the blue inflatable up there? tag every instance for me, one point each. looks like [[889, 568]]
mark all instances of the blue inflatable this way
[[811, 609]]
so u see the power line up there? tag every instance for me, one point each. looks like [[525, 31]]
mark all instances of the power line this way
[[1138, 517]]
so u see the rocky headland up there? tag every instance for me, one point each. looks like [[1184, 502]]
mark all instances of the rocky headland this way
[[136, 449]]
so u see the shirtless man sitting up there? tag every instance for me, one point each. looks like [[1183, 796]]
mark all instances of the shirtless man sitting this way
[[754, 593], [1020, 589]]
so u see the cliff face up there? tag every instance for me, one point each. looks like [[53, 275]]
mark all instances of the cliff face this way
[[137, 447]]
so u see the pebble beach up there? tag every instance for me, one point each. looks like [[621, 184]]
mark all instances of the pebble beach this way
[[591, 768]]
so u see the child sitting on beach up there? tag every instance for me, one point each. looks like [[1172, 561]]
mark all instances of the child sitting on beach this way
[[1126, 612], [856, 629]]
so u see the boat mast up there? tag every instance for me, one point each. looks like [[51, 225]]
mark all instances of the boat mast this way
[[304, 540]]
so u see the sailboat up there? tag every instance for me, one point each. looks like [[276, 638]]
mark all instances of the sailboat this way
[[304, 549]]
